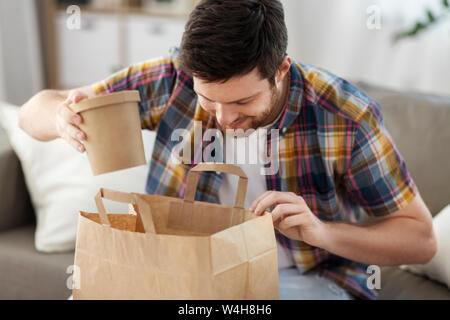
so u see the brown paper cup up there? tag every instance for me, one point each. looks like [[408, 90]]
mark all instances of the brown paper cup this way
[[113, 128]]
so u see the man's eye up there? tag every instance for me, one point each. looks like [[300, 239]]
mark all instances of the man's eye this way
[[242, 103]]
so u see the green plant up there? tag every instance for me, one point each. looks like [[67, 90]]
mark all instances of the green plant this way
[[431, 20]]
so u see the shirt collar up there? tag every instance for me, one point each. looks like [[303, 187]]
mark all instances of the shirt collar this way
[[294, 103]]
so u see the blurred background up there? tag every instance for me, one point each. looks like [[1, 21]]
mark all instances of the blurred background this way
[[401, 44]]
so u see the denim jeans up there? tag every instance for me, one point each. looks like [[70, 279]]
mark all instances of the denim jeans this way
[[296, 286]]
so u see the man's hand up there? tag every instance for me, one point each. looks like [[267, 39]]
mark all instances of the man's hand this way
[[67, 121], [403, 237], [291, 216], [47, 116]]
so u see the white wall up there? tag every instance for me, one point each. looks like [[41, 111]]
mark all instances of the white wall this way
[[2, 81], [21, 64], [334, 35], [327, 33]]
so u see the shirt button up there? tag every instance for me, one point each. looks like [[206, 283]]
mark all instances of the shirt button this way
[[284, 130]]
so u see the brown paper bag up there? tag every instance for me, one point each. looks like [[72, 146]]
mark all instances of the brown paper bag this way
[[170, 248]]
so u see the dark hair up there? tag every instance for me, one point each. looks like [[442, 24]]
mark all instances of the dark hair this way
[[227, 38]]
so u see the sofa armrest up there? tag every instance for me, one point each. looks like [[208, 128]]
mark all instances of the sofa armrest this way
[[15, 206]]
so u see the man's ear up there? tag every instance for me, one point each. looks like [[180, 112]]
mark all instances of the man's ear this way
[[283, 69]]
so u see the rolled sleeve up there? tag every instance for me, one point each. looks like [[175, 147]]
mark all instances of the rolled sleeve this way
[[154, 79]]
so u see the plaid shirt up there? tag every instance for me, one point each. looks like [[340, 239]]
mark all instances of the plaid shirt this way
[[334, 151]]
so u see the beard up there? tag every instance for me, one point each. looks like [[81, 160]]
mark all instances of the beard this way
[[259, 120]]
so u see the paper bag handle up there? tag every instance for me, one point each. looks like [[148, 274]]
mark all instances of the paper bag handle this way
[[118, 196], [192, 180]]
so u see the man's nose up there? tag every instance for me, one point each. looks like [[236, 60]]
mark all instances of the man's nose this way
[[225, 116]]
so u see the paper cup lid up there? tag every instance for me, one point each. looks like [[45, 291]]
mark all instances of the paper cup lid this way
[[107, 99]]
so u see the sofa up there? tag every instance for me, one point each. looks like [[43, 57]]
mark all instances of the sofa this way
[[418, 123]]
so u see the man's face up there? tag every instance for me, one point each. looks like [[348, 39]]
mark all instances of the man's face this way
[[243, 102]]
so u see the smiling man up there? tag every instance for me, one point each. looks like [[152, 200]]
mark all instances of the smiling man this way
[[336, 161]]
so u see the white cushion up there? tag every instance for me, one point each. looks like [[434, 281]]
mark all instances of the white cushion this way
[[439, 267], [60, 182]]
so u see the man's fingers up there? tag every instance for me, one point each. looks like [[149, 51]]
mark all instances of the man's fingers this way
[[295, 220], [285, 209], [75, 132], [257, 200], [76, 96], [273, 198], [75, 144], [68, 115], [67, 121], [260, 198]]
